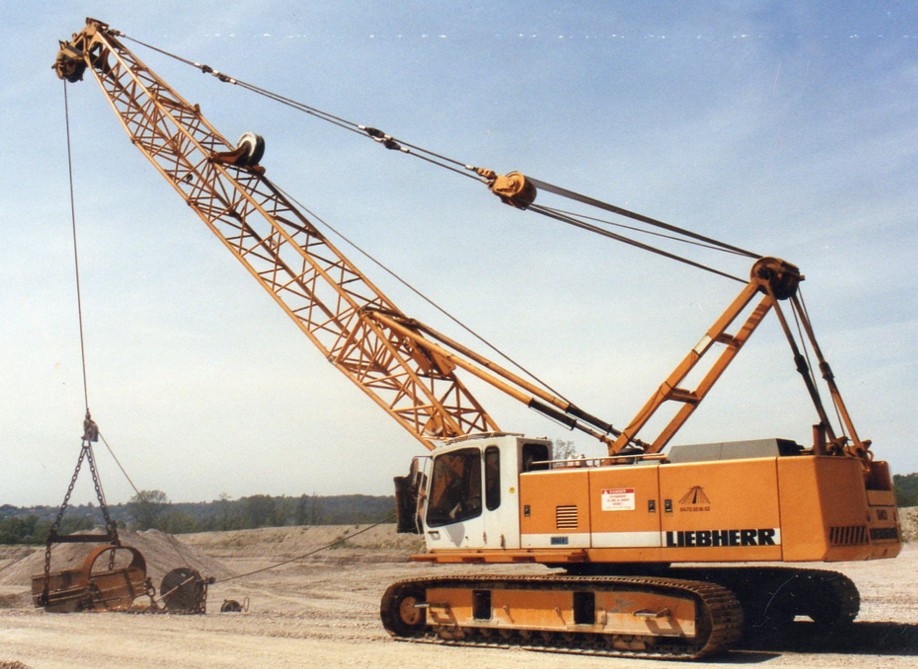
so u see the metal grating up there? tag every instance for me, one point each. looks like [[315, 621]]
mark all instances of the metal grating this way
[[566, 517], [849, 535]]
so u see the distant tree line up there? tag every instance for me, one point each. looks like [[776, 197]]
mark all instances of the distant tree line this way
[[152, 509], [33, 528], [906, 489]]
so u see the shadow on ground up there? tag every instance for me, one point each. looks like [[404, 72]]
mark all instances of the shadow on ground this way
[[858, 638]]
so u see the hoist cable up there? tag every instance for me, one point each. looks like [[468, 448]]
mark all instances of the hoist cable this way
[[76, 258], [88, 435], [417, 292]]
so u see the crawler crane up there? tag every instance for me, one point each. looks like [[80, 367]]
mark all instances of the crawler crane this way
[[621, 527]]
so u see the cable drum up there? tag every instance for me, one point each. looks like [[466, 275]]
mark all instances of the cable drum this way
[[183, 590]]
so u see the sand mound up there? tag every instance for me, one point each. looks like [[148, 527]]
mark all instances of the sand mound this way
[[162, 552], [289, 542]]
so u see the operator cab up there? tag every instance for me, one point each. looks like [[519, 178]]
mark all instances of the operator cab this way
[[471, 490]]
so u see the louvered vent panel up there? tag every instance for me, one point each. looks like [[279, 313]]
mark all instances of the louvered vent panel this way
[[566, 517], [849, 535]]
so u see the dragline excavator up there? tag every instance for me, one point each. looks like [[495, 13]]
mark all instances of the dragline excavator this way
[[619, 530]]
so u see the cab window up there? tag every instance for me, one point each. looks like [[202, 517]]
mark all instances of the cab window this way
[[492, 477], [535, 457], [455, 492]]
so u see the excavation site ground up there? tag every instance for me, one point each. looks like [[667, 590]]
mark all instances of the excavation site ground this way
[[324, 611]]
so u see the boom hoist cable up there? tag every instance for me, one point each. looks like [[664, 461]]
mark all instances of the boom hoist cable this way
[[513, 188], [326, 296]]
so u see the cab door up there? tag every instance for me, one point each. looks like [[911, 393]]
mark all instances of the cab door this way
[[455, 502]]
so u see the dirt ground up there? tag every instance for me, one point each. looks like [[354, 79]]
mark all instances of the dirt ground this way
[[324, 610]]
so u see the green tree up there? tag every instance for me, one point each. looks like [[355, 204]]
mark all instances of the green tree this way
[[258, 511], [563, 450], [301, 511], [178, 522], [146, 509], [906, 488]]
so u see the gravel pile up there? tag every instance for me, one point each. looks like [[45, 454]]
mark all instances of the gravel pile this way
[[162, 552]]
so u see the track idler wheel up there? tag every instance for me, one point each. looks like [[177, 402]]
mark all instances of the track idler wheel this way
[[404, 610]]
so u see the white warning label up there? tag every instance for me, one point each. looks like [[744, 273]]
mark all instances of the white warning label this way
[[618, 499]]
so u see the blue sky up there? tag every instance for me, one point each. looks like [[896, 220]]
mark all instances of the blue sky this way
[[786, 128]]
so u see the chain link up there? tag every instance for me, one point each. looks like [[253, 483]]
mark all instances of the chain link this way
[[90, 434]]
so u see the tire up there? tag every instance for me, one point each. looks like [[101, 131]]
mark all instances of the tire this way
[[400, 616]]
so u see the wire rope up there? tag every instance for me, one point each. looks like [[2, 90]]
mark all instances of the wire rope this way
[[312, 552], [467, 170], [76, 256], [584, 217], [421, 295], [557, 215], [92, 432], [806, 317]]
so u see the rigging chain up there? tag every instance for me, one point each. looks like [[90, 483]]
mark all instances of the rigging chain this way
[[475, 173]]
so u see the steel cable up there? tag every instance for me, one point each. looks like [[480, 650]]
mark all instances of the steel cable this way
[[570, 220], [424, 297], [76, 258], [469, 171], [304, 555]]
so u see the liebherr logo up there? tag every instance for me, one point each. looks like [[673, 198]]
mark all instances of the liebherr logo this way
[[695, 500], [722, 538]]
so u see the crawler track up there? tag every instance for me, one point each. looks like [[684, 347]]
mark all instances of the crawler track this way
[[772, 596], [715, 624]]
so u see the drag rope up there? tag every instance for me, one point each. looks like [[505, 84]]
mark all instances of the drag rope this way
[[312, 552]]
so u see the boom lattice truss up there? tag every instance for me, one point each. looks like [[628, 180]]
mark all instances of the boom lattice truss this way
[[324, 294]]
